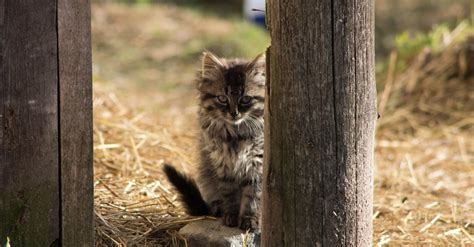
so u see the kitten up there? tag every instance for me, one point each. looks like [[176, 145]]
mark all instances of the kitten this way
[[230, 143]]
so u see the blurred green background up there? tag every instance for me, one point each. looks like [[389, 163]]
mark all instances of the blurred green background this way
[[146, 40]]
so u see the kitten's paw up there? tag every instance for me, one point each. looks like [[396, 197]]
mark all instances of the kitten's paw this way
[[230, 219], [216, 208], [248, 222]]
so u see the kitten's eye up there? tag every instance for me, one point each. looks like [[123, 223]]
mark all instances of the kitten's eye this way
[[245, 100], [222, 99]]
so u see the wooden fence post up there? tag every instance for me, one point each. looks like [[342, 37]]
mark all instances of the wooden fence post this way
[[320, 124], [46, 187]]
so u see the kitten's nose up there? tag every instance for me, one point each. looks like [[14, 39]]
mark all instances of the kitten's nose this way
[[234, 114]]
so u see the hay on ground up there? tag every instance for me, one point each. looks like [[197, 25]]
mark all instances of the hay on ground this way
[[424, 183]]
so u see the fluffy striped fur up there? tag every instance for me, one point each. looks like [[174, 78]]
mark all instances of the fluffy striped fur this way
[[230, 142]]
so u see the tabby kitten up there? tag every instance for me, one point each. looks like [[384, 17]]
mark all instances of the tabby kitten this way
[[230, 143]]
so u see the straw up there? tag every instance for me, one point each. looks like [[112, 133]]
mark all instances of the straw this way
[[424, 177]]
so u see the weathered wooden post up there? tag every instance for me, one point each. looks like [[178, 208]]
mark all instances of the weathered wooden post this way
[[320, 121], [46, 190]]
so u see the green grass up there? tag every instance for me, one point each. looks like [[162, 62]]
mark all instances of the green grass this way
[[159, 45], [245, 40], [409, 44]]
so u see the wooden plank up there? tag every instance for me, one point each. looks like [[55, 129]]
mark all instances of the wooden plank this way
[[320, 124], [75, 71], [29, 185]]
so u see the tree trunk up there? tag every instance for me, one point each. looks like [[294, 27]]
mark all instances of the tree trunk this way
[[320, 124]]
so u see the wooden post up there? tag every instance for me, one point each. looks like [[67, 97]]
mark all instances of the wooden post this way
[[46, 187], [320, 122]]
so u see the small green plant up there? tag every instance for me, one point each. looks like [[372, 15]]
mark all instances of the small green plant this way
[[409, 44]]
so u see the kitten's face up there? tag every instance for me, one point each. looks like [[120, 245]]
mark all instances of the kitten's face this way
[[232, 90]]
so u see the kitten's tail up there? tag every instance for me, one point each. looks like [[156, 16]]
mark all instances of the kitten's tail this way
[[190, 194]]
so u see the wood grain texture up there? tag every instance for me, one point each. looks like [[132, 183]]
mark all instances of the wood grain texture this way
[[29, 185], [75, 73], [46, 190], [320, 124]]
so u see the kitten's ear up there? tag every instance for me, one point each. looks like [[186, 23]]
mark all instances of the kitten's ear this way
[[211, 63], [257, 63]]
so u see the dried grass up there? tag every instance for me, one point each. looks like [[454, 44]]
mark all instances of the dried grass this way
[[424, 187], [133, 206]]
